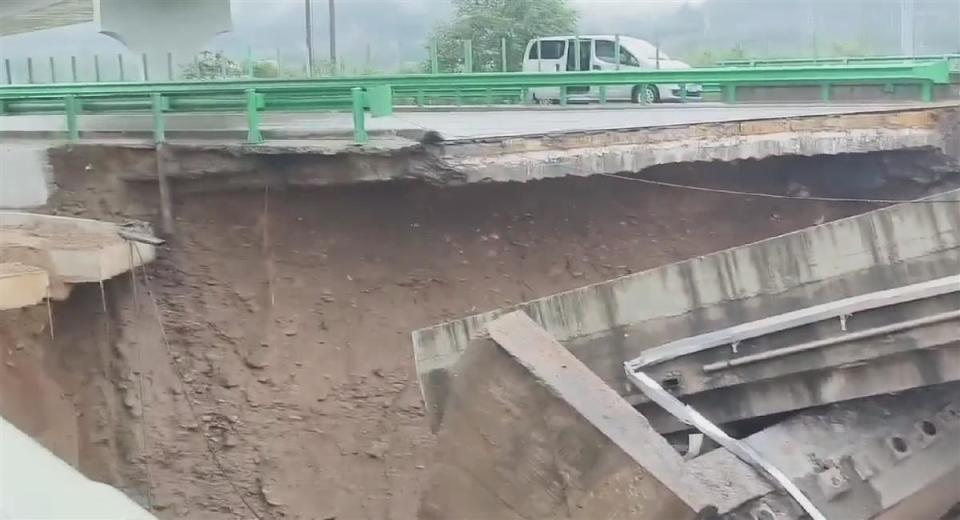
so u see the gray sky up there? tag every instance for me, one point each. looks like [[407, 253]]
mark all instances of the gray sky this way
[[396, 30], [267, 25]]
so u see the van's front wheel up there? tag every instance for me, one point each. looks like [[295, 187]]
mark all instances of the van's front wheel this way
[[646, 94]]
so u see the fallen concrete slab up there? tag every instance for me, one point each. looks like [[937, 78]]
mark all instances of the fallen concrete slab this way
[[22, 285], [607, 324], [890, 456], [876, 343], [70, 250], [528, 432]]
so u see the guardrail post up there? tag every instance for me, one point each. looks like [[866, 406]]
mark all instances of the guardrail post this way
[[8, 70], [157, 106], [603, 94], [73, 69], [730, 93], [30, 70], [683, 92], [360, 135], [53, 70], [434, 58], [825, 92], [96, 67], [254, 135], [72, 107], [468, 56], [420, 98], [563, 95], [489, 93], [926, 90]]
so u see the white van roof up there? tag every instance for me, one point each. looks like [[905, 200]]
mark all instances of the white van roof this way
[[639, 47]]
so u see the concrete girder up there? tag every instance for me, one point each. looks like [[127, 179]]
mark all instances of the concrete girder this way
[[158, 27]]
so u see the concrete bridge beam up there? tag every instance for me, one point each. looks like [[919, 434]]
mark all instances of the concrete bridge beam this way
[[158, 27]]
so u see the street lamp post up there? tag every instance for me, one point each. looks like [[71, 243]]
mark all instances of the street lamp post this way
[[308, 13], [908, 28], [333, 33]]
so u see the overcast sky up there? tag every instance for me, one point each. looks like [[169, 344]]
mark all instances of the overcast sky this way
[[266, 25], [396, 30]]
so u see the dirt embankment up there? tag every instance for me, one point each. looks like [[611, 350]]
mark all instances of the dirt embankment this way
[[286, 385]]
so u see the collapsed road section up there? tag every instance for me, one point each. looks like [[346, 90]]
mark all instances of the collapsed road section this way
[[784, 353]]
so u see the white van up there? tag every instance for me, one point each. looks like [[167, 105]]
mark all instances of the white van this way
[[598, 52]]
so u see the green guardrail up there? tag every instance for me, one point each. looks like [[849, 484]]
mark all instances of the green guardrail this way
[[242, 97], [377, 93], [952, 59]]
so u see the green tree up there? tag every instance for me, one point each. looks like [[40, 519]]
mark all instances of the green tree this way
[[209, 65], [486, 22]]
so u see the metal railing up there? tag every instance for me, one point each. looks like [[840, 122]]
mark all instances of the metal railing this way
[[952, 59], [158, 99], [377, 93]]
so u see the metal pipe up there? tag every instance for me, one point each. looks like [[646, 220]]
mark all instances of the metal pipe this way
[[828, 342], [503, 54], [539, 55], [742, 450], [797, 318], [468, 56]]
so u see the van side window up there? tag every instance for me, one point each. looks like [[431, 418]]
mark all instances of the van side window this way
[[606, 52], [552, 49]]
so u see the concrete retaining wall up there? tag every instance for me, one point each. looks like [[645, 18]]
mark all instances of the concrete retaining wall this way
[[25, 177]]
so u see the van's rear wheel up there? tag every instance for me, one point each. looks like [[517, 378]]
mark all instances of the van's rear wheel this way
[[646, 94]]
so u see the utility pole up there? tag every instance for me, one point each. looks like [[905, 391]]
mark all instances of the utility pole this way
[[812, 24], [333, 33], [908, 26], [308, 13]]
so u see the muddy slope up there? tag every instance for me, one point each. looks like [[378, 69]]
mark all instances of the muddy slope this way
[[286, 388]]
